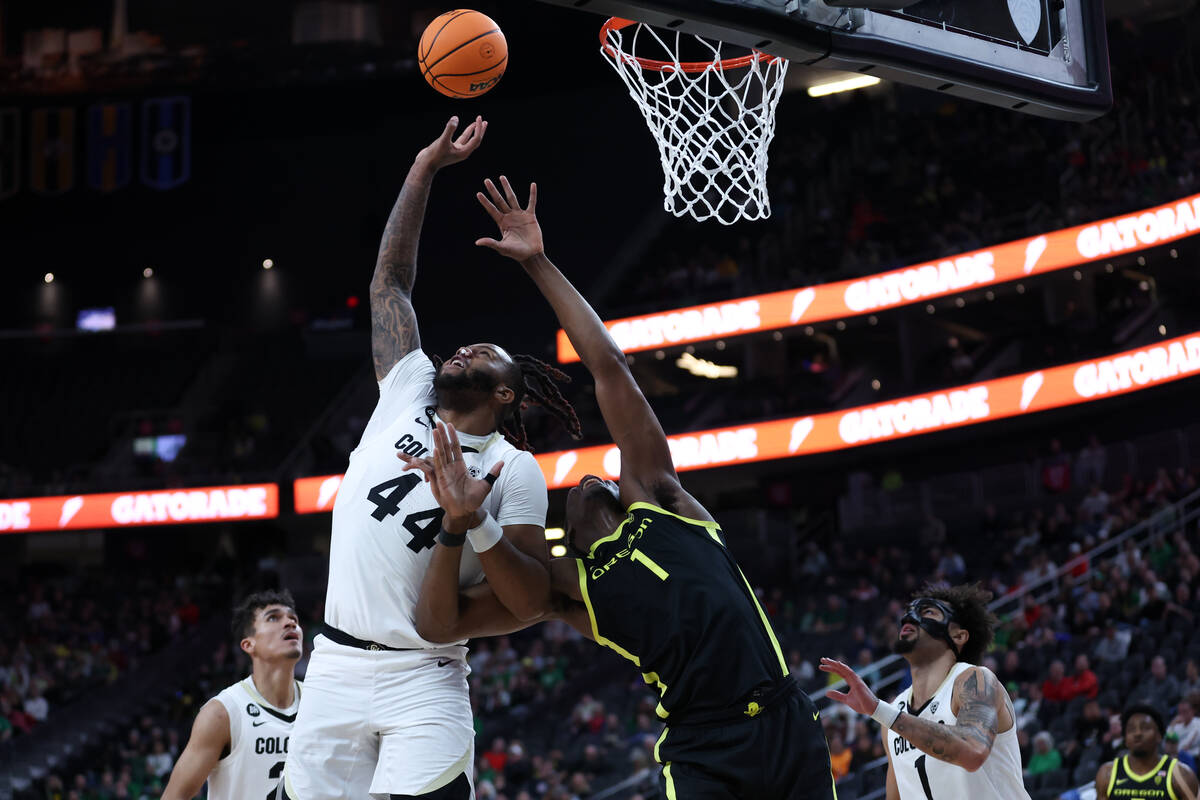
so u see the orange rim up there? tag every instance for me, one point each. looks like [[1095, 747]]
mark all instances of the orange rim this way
[[617, 23]]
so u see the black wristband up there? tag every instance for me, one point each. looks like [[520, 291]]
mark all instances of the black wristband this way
[[490, 478], [451, 539]]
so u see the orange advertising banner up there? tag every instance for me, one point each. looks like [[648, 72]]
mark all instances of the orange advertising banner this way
[[316, 494], [123, 509], [1016, 395], [1011, 261]]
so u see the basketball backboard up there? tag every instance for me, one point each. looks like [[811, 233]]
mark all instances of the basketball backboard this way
[[1043, 57]]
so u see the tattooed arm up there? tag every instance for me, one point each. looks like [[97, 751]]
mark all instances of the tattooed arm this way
[[393, 321], [979, 699], [980, 703]]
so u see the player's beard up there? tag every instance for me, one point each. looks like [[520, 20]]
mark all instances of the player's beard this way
[[464, 390], [903, 647]]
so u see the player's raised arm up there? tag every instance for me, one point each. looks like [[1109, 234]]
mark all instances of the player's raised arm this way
[[210, 737], [645, 457], [393, 321]]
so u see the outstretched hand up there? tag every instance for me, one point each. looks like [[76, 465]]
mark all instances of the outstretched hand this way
[[446, 150], [520, 233], [857, 695], [459, 494]]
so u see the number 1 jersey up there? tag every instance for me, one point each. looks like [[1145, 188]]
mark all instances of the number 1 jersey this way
[[923, 777], [385, 520]]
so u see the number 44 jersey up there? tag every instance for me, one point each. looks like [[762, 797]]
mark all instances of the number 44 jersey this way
[[385, 520], [922, 777]]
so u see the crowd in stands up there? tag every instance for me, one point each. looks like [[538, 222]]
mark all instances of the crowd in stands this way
[[63, 637]]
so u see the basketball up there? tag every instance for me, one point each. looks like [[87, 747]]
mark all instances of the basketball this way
[[462, 53]]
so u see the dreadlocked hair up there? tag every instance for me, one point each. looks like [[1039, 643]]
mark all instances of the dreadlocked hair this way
[[533, 381], [538, 384], [970, 604]]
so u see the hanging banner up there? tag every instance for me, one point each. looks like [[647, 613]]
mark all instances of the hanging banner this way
[[52, 150], [109, 146], [1012, 261], [10, 152], [123, 509], [166, 142]]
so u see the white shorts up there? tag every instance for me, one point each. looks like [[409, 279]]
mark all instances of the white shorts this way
[[380, 722]]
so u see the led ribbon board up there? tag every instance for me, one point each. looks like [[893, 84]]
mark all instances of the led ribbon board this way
[[124, 509], [1012, 261], [1016, 395]]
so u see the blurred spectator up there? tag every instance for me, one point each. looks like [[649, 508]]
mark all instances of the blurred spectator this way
[[1090, 463], [1160, 689], [1171, 748], [1114, 646], [1056, 469], [840, 756], [1057, 686], [1187, 725], [1084, 682], [1045, 758]]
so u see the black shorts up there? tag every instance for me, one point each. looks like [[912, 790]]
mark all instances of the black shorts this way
[[781, 754]]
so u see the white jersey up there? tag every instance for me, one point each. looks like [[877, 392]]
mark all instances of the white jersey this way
[[922, 777], [258, 744], [385, 520]]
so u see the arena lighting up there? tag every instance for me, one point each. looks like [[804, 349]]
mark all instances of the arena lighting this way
[[704, 368], [972, 404], [122, 509], [554, 533], [48, 277], [148, 273], [918, 283], [847, 85], [268, 263]]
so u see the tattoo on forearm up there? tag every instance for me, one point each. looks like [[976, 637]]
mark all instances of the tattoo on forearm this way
[[393, 322], [976, 726]]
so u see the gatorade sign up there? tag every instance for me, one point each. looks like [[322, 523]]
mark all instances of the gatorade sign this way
[[121, 509], [1012, 261], [1016, 395]]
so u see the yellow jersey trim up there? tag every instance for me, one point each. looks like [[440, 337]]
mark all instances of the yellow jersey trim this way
[[661, 510], [670, 782], [1112, 776], [1140, 778], [1171, 779], [662, 737], [587, 602], [766, 625], [614, 535]]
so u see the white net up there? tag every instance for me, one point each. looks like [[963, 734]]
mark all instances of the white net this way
[[713, 118]]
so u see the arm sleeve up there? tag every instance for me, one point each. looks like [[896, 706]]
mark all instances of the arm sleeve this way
[[523, 498], [409, 383]]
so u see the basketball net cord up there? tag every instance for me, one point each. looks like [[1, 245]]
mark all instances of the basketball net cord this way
[[713, 125]]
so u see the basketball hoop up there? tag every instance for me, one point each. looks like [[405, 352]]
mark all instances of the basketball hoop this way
[[713, 119]]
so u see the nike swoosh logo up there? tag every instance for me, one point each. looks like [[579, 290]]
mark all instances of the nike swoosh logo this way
[[260, 722], [422, 423], [444, 661]]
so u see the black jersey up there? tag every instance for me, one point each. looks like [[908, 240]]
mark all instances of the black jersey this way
[[1158, 783], [664, 592]]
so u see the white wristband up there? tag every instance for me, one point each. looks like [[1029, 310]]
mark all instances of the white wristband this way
[[886, 714], [486, 534]]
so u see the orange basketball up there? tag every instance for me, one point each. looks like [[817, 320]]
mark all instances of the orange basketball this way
[[462, 53]]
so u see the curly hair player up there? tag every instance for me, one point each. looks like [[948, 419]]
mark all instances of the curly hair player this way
[[653, 580], [386, 712], [953, 732]]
